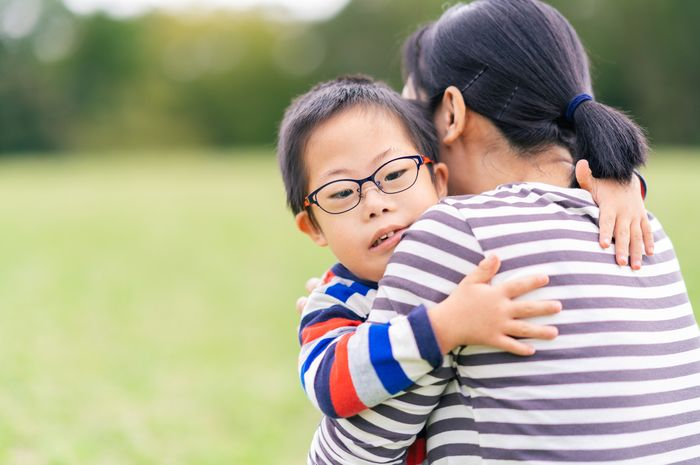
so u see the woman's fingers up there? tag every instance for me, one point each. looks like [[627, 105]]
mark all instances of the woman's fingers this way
[[520, 286]]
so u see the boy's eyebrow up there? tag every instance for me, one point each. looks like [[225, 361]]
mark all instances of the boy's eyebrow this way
[[376, 159]]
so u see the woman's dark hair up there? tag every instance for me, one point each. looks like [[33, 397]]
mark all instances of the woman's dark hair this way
[[327, 99], [519, 63]]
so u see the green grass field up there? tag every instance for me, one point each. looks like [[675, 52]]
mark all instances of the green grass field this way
[[147, 307]]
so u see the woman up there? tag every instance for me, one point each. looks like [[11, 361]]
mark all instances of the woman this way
[[508, 86]]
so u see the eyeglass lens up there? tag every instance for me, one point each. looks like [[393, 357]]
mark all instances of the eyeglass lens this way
[[343, 195]]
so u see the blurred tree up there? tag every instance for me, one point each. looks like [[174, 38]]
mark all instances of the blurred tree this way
[[166, 80]]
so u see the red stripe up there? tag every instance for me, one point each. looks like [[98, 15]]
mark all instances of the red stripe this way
[[343, 394], [317, 330], [416, 452], [326, 278]]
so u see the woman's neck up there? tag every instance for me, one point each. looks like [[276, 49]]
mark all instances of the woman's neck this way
[[550, 166], [554, 166]]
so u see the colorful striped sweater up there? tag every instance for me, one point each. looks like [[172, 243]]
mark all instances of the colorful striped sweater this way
[[347, 365]]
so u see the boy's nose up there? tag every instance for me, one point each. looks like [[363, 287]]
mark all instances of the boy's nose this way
[[374, 201]]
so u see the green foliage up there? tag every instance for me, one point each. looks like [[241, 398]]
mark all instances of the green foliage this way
[[224, 79]]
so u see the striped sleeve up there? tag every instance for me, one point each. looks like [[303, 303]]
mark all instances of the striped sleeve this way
[[347, 364], [433, 257]]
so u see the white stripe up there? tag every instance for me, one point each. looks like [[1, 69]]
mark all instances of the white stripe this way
[[588, 443], [586, 416], [400, 296], [587, 390], [404, 349], [419, 276], [668, 457], [602, 269], [578, 341], [369, 387], [458, 237], [579, 365], [309, 378]]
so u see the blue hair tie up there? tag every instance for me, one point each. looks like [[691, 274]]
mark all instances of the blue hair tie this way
[[574, 104]]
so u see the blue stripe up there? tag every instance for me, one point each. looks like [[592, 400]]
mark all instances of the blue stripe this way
[[325, 314], [388, 369], [425, 337], [322, 384], [315, 352], [343, 292]]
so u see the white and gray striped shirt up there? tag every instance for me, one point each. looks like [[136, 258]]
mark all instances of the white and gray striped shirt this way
[[621, 383]]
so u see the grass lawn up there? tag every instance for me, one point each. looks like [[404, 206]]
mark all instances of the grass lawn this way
[[147, 306]]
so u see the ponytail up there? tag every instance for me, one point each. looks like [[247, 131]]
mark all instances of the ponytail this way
[[611, 142]]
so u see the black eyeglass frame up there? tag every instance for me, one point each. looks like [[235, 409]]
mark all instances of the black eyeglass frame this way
[[312, 197]]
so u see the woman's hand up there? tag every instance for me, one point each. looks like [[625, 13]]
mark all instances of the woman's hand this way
[[622, 215], [477, 313]]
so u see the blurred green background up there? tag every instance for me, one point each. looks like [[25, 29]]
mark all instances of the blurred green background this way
[[149, 265]]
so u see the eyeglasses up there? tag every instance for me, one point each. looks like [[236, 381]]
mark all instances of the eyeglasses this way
[[392, 177]]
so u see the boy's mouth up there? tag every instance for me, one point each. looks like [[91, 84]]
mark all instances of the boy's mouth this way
[[387, 237]]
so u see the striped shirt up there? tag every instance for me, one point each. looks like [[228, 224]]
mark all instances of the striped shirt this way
[[621, 382], [347, 365]]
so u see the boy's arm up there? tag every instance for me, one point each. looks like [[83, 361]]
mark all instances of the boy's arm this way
[[622, 215], [347, 365]]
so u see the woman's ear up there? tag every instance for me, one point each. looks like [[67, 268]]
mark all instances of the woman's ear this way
[[308, 226], [440, 175], [451, 115]]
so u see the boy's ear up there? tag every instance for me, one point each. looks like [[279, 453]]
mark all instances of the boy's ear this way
[[306, 225], [451, 115], [440, 176]]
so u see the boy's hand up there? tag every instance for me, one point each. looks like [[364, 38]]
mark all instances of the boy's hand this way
[[311, 284], [477, 313], [622, 215]]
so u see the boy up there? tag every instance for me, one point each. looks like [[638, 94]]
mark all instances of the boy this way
[[359, 166]]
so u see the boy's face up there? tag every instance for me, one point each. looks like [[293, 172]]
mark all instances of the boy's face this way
[[353, 144]]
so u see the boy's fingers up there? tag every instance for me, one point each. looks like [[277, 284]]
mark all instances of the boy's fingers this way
[[636, 246], [524, 329], [312, 284], [513, 346], [606, 223], [534, 308], [520, 286], [648, 236], [622, 241], [301, 303], [487, 269], [584, 175]]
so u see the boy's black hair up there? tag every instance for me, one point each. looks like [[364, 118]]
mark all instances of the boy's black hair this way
[[329, 98], [519, 63]]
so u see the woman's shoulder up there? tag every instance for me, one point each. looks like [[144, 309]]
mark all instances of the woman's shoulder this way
[[521, 195]]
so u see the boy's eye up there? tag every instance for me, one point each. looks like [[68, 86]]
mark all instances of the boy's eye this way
[[394, 175], [341, 194]]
